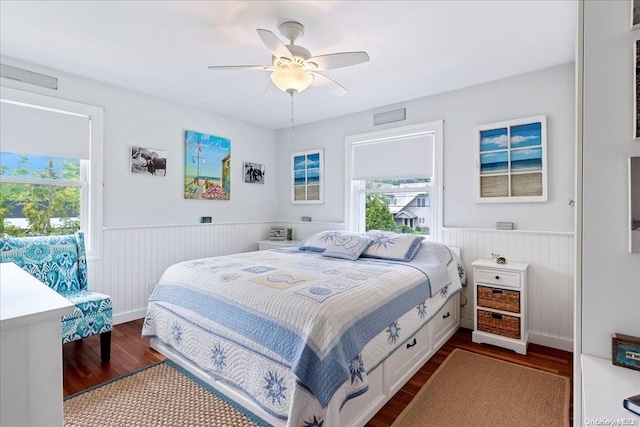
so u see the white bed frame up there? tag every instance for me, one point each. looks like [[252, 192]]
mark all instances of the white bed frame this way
[[384, 381]]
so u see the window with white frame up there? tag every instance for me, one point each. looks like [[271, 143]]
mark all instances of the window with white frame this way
[[399, 164], [50, 167]]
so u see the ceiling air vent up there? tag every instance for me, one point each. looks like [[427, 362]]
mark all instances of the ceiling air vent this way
[[13, 73]]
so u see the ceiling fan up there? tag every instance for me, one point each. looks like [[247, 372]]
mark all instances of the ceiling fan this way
[[293, 69]]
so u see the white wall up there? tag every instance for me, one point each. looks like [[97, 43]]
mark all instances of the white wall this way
[[148, 223], [548, 92], [610, 275], [132, 118], [544, 235]]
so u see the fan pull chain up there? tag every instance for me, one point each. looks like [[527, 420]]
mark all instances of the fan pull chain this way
[[292, 122]]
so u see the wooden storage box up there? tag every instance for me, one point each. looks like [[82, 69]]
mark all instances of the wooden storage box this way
[[499, 324], [499, 299]]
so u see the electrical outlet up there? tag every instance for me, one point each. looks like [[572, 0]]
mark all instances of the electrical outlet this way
[[151, 286]]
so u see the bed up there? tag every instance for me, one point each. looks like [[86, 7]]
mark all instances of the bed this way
[[303, 336]]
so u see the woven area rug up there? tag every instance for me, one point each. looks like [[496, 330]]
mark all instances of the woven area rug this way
[[159, 396], [474, 390]]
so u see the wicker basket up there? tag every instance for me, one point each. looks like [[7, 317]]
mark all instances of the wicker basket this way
[[499, 324], [499, 299]]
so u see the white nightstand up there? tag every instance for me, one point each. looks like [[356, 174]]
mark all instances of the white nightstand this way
[[500, 304], [272, 244]]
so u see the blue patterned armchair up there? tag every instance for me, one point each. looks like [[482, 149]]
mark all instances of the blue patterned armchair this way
[[61, 263]]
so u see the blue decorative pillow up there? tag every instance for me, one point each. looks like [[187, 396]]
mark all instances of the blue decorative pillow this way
[[392, 246], [347, 246], [319, 242]]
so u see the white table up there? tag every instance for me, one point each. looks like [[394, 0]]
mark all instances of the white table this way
[[30, 349], [272, 244], [604, 387]]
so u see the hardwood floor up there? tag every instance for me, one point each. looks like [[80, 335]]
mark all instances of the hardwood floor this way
[[130, 352]]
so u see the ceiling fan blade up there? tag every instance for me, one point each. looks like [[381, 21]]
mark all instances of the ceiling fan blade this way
[[242, 67], [273, 43], [338, 60], [320, 80], [271, 90]]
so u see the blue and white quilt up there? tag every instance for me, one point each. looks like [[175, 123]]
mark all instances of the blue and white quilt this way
[[294, 330]]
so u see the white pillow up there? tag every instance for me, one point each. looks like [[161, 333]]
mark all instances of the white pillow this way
[[392, 246]]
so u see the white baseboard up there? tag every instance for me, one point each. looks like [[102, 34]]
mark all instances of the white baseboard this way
[[466, 323], [129, 316], [549, 341]]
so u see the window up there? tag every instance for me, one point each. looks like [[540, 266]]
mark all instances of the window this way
[[411, 167], [421, 202], [51, 167], [40, 195]]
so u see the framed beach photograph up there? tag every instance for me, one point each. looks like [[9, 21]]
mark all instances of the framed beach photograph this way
[[307, 177], [634, 205], [635, 14], [511, 161], [147, 161], [207, 170], [253, 173]]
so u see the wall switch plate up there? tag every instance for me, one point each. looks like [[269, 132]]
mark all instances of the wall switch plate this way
[[504, 225], [151, 286], [205, 219]]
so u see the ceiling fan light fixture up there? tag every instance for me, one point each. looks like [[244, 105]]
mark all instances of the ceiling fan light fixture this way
[[291, 79]]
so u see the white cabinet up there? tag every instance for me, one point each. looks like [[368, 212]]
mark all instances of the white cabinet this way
[[604, 388], [30, 349], [500, 304], [273, 244]]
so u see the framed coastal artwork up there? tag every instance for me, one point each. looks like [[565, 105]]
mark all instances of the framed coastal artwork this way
[[207, 166], [307, 177], [511, 161], [634, 205]]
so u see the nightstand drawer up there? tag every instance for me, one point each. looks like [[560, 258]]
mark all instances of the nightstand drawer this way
[[499, 324], [499, 299], [502, 278]]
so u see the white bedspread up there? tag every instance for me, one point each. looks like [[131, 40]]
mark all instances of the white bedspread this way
[[294, 329]]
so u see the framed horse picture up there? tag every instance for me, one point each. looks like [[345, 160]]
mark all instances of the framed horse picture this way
[[253, 173]]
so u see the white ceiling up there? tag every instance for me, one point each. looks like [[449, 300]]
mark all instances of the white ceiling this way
[[417, 48]]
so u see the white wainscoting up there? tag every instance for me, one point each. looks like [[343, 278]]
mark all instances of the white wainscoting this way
[[551, 276], [135, 257]]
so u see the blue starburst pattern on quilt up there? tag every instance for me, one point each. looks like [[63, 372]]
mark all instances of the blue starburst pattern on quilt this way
[[422, 309], [444, 292], [60, 262], [218, 357], [314, 422], [275, 387], [392, 246], [393, 332], [356, 368], [258, 269], [176, 332]]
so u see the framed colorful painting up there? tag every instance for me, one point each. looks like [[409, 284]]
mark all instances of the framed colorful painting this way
[[207, 170], [307, 177], [511, 161]]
